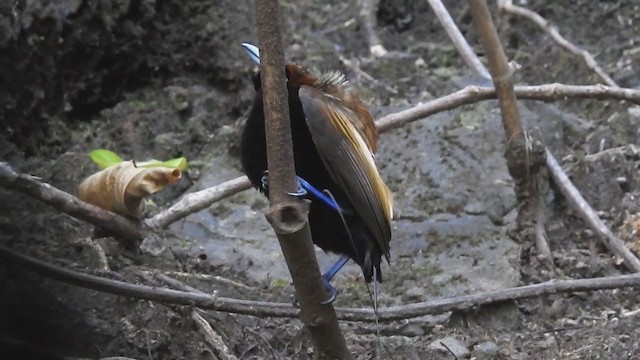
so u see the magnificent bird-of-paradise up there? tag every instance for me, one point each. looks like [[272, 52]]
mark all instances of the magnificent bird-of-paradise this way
[[334, 140]]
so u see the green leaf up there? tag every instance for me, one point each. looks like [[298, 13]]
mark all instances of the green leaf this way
[[105, 158], [177, 163]]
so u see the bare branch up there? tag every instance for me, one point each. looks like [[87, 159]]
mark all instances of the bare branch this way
[[197, 201], [501, 72], [262, 309], [458, 39], [508, 7], [610, 240], [473, 94], [524, 157], [69, 204]]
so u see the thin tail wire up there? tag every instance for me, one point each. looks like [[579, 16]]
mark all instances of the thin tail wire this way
[[344, 222], [373, 296]]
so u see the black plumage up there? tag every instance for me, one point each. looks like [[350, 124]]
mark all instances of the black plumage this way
[[334, 138]]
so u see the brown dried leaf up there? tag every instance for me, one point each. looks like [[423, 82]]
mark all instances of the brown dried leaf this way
[[122, 187]]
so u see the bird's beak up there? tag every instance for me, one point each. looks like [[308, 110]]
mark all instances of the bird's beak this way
[[253, 51]]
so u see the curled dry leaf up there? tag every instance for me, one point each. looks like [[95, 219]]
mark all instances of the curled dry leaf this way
[[121, 188]]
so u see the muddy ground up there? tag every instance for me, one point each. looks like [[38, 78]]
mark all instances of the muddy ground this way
[[166, 79]]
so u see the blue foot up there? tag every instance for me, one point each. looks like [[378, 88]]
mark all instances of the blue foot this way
[[306, 190], [331, 290], [300, 192]]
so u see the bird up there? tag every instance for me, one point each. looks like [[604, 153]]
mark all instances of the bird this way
[[334, 140]]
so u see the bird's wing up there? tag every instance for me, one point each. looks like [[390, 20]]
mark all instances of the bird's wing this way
[[349, 160]]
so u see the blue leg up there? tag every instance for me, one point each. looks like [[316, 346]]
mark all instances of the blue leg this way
[[304, 190], [326, 281], [329, 275], [300, 192]]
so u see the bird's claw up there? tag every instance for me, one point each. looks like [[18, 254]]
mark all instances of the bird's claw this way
[[264, 182], [300, 191], [331, 290]]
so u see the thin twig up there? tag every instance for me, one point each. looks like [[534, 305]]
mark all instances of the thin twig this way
[[274, 354], [367, 16], [262, 309], [537, 202], [449, 350], [179, 284], [458, 39], [609, 239], [473, 94], [68, 203], [625, 150], [213, 339], [353, 66], [589, 60], [206, 277], [197, 201], [541, 234]]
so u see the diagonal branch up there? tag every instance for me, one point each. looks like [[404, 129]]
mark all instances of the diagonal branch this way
[[458, 39], [611, 241], [197, 201], [508, 7]]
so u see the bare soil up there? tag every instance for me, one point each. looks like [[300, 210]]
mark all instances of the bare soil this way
[[168, 78]]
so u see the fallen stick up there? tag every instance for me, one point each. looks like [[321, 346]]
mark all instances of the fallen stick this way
[[270, 309]]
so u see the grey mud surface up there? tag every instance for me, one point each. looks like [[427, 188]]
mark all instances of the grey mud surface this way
[[188, 92]]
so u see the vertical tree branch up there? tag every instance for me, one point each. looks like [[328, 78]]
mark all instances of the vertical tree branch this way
[[288, 215], [500, 70], [524, 153]]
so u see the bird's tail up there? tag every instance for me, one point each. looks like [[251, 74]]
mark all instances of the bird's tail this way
[[373, 295], [372, 273]]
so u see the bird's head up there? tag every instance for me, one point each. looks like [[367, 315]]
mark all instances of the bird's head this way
[[296, 74]]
